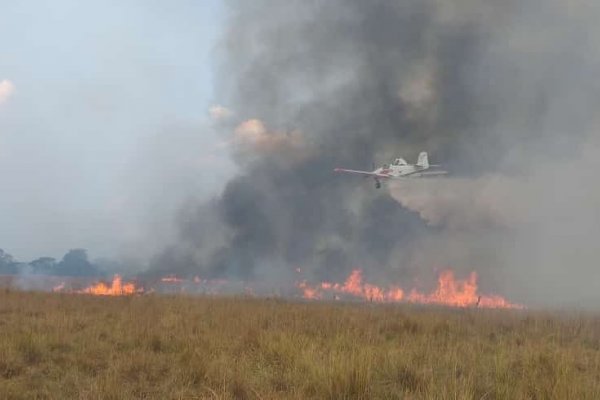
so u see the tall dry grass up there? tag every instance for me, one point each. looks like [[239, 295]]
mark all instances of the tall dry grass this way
[[158, 347]]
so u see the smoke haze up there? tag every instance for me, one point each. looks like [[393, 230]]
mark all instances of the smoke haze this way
[[85, 89]]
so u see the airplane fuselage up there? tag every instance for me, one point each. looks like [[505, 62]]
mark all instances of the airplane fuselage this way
[[399, 171]]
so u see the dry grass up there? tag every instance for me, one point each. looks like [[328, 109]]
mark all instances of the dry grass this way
[[155, 347]]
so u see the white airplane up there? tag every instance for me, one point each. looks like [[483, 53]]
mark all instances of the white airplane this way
[[400, 169]]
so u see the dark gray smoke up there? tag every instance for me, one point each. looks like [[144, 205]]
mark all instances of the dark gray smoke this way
[[484, 86]]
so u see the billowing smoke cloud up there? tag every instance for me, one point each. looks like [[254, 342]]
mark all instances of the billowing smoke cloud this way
[[219, 113], [7, 88], [503, 93]]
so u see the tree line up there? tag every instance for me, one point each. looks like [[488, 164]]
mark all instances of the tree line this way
[[74, 263]]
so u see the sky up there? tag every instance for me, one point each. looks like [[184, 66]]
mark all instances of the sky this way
[[89, 94]]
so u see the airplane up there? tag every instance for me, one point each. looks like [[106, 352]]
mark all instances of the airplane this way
[[399, 169]]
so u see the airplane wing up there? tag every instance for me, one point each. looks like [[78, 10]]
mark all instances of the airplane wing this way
[[363, 173], [428, 173]]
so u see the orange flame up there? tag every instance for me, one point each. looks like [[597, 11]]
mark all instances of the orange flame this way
[[309, 293], [59, 288], [116, 288], [449, 292], [171, 279]]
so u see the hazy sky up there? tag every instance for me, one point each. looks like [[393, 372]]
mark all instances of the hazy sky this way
[[86, 88]]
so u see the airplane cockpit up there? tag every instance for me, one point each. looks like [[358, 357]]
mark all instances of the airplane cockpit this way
[[399, 161]]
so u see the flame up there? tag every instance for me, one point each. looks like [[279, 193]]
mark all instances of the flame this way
[[309, 293], [116, 288], [171, 279], [59, 288], [449, 292]]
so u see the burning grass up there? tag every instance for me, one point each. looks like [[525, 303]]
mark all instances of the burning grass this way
[[60, 346], [450, 291]]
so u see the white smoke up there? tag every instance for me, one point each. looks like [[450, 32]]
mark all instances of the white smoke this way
[[7, 89], [219, 113]]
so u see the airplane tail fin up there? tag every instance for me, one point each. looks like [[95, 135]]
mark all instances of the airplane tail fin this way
[[423, 161]]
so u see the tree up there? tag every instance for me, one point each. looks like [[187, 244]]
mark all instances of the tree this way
[[44, 266], [8, 265], [76, 263]]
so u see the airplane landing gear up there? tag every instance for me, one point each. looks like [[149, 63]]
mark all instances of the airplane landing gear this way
[[377, 184]]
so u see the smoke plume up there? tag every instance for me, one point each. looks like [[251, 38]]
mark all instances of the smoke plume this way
[[504, 94]]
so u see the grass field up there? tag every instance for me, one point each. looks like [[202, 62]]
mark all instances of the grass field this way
[[159, 347]]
